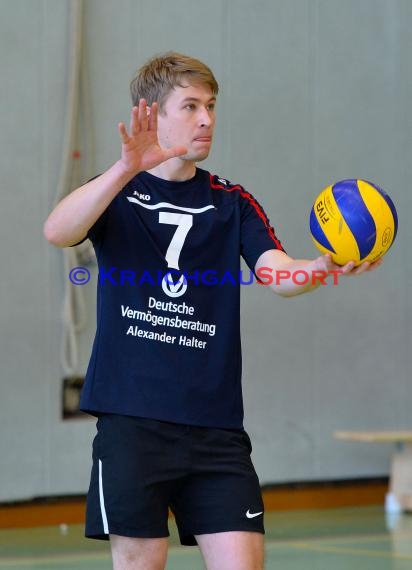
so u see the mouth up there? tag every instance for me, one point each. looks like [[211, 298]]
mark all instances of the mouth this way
[[203, 139]]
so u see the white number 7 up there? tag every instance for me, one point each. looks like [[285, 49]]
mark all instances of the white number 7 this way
[[183, 222]]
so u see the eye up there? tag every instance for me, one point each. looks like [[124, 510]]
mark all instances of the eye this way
[[190, 107], [211, 106]]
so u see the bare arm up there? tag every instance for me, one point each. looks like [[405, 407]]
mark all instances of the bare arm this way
[[72, 218], [289, 277]]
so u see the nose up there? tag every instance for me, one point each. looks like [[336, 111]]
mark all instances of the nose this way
[[205, 117]]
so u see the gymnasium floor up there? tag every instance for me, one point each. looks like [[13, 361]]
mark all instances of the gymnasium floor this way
[[333, 539]]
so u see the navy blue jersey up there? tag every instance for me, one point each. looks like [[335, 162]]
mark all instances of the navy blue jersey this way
[[167, 344]]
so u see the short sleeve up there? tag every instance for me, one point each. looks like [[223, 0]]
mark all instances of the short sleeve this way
[[98, 227], [257, 235]]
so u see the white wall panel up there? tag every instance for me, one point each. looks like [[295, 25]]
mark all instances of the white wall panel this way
[[311, 91]]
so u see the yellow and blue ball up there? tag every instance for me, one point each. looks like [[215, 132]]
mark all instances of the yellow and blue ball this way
[[353, 220]]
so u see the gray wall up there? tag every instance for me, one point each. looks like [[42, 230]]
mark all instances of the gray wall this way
[[312, 91]]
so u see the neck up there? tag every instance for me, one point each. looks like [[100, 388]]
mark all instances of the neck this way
[[175, 169]]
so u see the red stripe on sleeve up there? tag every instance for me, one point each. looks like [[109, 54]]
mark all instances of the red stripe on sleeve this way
[[258, 209], [263, 217]]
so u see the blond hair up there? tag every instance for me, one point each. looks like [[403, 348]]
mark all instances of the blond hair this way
[[164, 72]]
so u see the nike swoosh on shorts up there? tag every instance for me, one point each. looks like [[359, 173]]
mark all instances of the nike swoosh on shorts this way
[[253, 515]]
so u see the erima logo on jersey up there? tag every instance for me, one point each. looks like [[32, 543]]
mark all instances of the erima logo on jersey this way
[[223, 181], [144, 197]]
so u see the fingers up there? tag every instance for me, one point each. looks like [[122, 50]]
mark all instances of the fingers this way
[[138, 121], [368, 266], [138, 118], [134, 121], [142, 117], [364, 267], [133, 127], [376, 264], [348, 267], [152, 112], [123, 133]]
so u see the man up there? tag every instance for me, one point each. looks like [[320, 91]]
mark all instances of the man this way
[[164, 377]]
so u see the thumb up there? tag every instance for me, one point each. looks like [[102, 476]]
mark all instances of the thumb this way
[[174, 151]]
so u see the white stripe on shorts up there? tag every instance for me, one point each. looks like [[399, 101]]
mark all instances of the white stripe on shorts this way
[[101, 496]]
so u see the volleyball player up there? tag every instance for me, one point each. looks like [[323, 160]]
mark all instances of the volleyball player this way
[[164, 378]]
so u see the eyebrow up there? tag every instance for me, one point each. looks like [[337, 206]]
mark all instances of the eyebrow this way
[[197, 100]]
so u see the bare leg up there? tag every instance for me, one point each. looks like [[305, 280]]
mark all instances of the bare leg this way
[[138, 553], [232, 550]]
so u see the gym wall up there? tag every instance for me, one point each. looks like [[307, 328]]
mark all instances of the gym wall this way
[[312, 91]]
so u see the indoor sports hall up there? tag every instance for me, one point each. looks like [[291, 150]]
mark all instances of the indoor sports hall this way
[[311, 93]]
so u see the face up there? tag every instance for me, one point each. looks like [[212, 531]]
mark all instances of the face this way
[[188, 119]]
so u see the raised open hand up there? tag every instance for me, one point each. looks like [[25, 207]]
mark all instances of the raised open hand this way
[[140, 146]]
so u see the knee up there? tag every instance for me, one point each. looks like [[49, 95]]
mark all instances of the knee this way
[[138, 553]]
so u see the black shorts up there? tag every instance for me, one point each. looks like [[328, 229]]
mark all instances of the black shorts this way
[[143, 467]]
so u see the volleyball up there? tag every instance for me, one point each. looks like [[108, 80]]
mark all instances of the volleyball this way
[[353, 220]]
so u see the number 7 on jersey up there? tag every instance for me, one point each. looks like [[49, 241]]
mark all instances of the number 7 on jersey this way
[[183, 222]]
